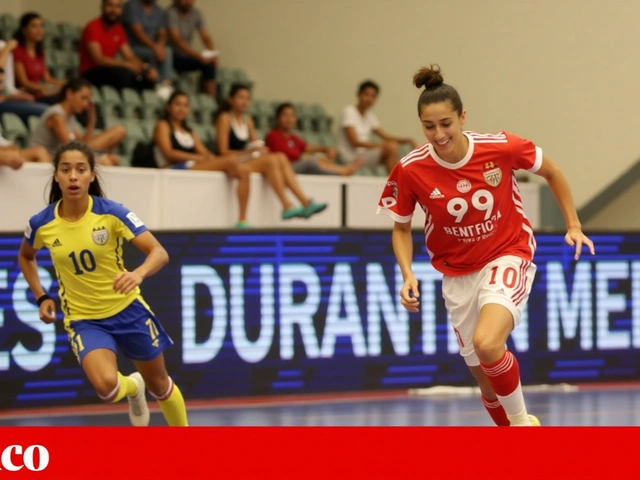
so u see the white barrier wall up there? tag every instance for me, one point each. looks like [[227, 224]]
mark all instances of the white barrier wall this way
[[183, 200]]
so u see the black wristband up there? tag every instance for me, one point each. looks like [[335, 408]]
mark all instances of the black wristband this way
[[43, 298]]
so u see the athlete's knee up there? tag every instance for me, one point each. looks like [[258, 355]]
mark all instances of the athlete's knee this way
[[489, 348], [243, 172], [157, 382], [106, 385]]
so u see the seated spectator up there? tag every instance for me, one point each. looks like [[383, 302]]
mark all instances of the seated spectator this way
[[32, 154], [235, 129], [357, 124], [102, 39], [304, 158], [183, 21], [58, 124], [32, 74], [144, 22], [177, 146], [20, 103]]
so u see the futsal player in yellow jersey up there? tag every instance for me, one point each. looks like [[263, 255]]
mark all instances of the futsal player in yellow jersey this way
[[100, 299]]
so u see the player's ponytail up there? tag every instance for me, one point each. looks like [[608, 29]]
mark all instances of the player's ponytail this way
[[95, 188], [435, 90]]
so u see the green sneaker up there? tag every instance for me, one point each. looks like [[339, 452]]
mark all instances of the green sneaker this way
[[314, 208], [243, 225], [293, 213]]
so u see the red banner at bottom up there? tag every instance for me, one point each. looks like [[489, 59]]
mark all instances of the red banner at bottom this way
[[303, 453]]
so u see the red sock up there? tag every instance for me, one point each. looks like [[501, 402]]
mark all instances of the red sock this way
[[504, 375], [496, 410]]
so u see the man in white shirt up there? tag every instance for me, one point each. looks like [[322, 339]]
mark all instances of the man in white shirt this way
[[357, 123]]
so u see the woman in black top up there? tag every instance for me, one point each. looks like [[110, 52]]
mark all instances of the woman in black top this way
[[177, 146], [236, 133]]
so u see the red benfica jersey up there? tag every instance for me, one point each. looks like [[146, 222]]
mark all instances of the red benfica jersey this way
[[473, 208]]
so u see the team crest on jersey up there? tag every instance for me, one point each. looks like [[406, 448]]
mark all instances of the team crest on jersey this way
[[100, 235], [464, 186], [492, 174]]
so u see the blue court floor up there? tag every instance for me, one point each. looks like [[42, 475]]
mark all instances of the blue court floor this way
[[585, 406]]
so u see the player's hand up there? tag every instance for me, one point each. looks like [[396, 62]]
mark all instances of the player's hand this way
[[575, 237], [48, 311], [409, 295], [126, 282]]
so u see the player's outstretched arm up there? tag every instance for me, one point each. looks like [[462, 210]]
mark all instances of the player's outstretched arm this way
[[157, 257], [562, 192], [29, 267], [403, 249]]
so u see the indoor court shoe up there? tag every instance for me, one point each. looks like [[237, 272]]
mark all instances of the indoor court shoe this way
[[534, 421], [293, 213], [138, 408], [314, 208]]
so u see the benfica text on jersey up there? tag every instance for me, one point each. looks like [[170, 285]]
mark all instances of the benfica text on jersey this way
[[473, 208]]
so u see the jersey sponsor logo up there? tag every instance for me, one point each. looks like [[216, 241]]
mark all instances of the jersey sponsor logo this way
[[476, 232], [56, 243], [135, 220], [436, 194], [100, 235], [28, 231], [14, 458], [464, 186], [492, 174]]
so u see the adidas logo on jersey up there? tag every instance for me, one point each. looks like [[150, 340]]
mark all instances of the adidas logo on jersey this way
[[436, 194], [56, 243]]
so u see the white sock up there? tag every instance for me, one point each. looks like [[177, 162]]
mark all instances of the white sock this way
[[515, 408]]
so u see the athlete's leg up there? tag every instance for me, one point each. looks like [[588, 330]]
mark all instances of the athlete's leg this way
[[162, 388], [142, 339], [95, 350], [489, 398], [505, 286]]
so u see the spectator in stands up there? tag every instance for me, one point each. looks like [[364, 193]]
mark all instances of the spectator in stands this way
[[33, 154], [183, 21], [355, 128], [304, 158], [177, 146], [32, 74], [144, 22], [58, 124], [236, 133], [102, 39], [20, 103]]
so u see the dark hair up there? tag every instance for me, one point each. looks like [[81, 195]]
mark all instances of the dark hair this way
[[368, 84], [282, 107], [165, 115], [1, 70], [435, 90], [226, 106], [19, 36], [95, 189], [75, 85]]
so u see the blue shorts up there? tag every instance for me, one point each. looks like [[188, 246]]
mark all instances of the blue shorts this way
[[135, 330]]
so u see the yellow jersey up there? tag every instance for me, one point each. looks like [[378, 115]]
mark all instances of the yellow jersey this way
[[87, 256]]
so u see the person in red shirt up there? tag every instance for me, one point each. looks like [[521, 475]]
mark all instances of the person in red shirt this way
[[304, 158], [477, 235], [102, 39], [29, 60]]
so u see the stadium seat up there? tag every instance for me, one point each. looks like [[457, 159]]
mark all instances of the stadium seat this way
[[14, 130], [131, 104], [111, 102], [135, 134], [205, 108], [33, 122], [152, 105]]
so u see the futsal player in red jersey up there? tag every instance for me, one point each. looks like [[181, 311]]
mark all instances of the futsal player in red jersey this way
[[477, 235]]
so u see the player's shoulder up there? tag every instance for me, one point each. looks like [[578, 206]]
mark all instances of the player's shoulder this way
[[416, 156], [502, 137], [43, 217], [105, 206]]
